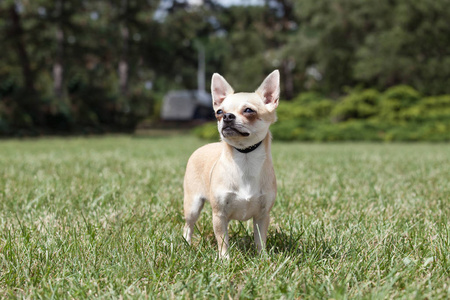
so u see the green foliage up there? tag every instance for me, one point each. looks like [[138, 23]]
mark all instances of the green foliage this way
[[397, 99], [322, 131], [289, 130], [407, 42], [374, 43], [429, 109], [208, 131], [320, 48], [430, 131], [305, 107], [86, 43], [357, 105], [347, 131]]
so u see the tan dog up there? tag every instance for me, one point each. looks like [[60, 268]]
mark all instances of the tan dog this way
[[235, 175]]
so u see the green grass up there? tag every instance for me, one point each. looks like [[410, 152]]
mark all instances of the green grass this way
[[102, 218]]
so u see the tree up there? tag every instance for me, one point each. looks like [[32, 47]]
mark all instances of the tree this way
[[410, 46], [375, 43], [15, 35]]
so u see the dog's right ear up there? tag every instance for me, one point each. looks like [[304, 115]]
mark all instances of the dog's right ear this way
[[220, 89]]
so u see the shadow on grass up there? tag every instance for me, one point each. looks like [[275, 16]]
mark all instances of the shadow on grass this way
[[313, 245], [293, 243]]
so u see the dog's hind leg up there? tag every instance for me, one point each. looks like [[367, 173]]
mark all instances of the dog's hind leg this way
[[192, 209]]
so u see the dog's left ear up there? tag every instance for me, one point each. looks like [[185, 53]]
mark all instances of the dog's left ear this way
[[269, 90]]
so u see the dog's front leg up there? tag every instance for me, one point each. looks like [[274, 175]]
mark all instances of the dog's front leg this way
[[260, 227], [220, 225]]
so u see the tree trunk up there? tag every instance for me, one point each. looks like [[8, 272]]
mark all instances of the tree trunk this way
[[201, 68], [58, 68], [288, 66], [123, 62], [17, 34]]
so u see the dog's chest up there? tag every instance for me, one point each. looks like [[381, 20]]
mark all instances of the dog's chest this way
[[245, 197], [244, 202]]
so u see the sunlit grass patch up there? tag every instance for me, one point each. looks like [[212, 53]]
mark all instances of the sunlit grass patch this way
[[102, 217]]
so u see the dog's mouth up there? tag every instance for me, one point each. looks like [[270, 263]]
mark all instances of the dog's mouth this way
[[232, 131]]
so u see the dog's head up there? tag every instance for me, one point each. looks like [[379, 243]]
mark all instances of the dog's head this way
[[243, 119]]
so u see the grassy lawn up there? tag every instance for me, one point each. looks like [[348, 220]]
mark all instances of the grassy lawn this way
[[102, 217]]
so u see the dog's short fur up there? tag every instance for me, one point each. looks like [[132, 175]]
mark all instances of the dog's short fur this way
[[239, 184]]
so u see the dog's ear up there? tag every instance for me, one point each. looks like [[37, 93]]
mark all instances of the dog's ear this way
[[220, 89], [269, 90]]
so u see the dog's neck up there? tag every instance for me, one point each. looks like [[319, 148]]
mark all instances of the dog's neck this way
[[249, 149], [258, 149], [249, 165]]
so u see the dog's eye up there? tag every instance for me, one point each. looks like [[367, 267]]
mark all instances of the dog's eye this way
[[249, 110], [219, 112]]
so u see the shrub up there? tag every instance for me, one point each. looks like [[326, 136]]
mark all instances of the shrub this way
[[290, 130], [207, 131], [407, 132], [306, 107], [357, 105], [429, 109], [396, 100], [356, 130]]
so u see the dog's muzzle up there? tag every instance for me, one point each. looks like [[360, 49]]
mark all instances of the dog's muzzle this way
[[230, 131]]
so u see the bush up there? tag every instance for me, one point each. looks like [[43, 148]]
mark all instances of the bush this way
[[348, 131], [305, 108], [357, 105], [207, 131], [408, 132], [397, 99], [430, 109], [290, 130]]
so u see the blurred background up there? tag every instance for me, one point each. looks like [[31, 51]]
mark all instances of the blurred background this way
[[375, 70]]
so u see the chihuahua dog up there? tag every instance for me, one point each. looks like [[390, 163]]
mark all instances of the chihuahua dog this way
[[235, 175]]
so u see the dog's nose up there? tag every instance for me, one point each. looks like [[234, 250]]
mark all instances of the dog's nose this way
[[228, 117]]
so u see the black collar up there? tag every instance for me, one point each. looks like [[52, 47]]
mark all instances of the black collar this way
[[249, 149]]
